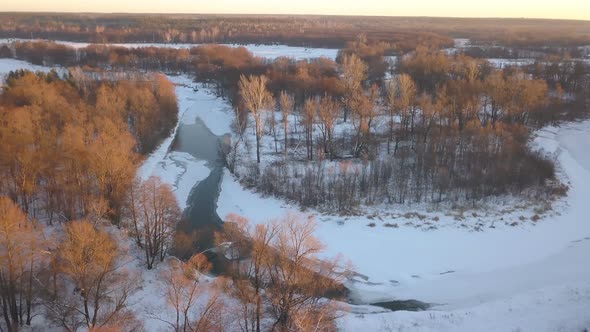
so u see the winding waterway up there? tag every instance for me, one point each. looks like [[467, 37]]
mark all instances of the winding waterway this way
[[200, 216]]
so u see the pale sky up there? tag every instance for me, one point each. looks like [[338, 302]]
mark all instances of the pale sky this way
[[568, 9]]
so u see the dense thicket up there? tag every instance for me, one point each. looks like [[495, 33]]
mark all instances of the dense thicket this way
[[70, 146]]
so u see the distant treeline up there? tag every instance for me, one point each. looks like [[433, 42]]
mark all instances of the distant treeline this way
[[309, 31], [401, 33]]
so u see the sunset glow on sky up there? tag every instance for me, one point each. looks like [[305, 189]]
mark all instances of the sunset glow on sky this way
[[567, 9]]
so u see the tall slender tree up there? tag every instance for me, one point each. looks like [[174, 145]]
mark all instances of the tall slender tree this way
[[354, 73], [286, 103], [257, 100]]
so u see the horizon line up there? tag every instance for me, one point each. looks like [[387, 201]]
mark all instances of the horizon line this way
[[299, 14]]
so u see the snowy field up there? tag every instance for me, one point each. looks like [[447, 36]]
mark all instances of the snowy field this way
[[8, 65], [265, 51]]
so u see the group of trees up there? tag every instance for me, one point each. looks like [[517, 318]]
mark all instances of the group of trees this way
[[280, 283], [70, 147], [21, 243], [76, 275], [217, 66], [432, 97], [316, 31], [152, 214], [444, 128], [198, 305], [273, 280], [69, 153]]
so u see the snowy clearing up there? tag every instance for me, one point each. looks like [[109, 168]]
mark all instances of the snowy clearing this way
[[503, 63], [8, 65]]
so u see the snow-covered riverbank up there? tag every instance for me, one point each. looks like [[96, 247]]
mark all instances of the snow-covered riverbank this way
[[495, 279]]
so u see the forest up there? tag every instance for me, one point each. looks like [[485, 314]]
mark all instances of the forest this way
[[400, 33], [309, 31]]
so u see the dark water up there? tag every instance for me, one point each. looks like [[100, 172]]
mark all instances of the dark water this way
[[403, 305], [200, 142], [200, 217]]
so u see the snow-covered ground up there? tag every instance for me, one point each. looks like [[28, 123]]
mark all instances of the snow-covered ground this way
[[264, 51], [533, 277], [8, 65], [502, 63]]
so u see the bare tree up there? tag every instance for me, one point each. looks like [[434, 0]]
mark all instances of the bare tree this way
[[21, 258], [299, 279], [94, 288], [132, 211], [391, 110], [251, 276], [154, 214], [282, 277], [364, 111], [327, 114], [257, 99], [307, 120], [407, 95], [197, 305], [286, 103], [354, 73]]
